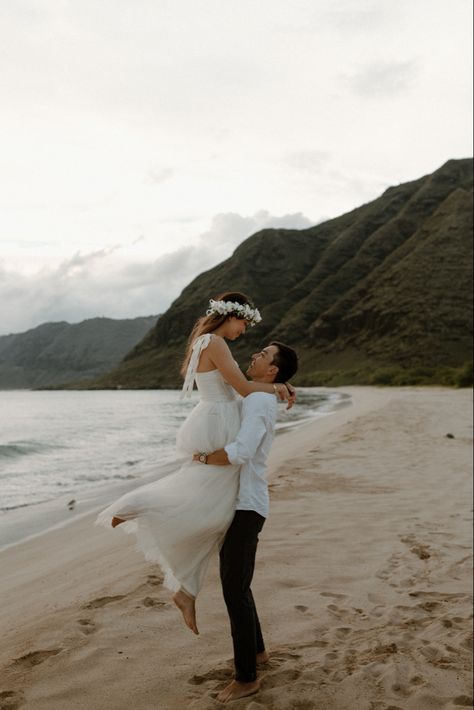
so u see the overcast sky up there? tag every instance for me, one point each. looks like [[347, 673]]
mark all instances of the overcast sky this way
[[142, 141]]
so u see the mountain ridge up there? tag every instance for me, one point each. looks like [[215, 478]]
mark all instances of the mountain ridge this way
[[384, 288], [53, 353]]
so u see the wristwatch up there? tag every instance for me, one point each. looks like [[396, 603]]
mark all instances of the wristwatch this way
[[202, 457]]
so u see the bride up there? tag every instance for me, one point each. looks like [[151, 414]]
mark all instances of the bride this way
[[181, 520]]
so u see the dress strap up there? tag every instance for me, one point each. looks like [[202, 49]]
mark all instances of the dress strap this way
[[199, 345]]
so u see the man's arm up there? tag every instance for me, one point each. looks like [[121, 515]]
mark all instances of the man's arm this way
[[249, 438], [217, 458]]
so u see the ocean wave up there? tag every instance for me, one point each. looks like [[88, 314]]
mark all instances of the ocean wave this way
[[15, 449], [88, 478], [7, 508]]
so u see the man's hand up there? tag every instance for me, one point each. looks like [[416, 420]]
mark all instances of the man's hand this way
[[217, 458]]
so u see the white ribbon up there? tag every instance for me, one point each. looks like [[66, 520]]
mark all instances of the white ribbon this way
[[199, 345]]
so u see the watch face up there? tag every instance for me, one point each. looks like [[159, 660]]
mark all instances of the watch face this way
[[202, 458]]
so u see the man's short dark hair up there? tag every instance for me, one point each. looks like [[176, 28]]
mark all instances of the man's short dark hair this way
[[286, 360]]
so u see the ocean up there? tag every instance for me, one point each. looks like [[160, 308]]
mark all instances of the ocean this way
[[64, 446]]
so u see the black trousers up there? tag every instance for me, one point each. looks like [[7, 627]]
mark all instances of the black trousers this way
[[237, 562]]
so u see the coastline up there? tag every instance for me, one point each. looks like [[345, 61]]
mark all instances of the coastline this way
[[363, 581]]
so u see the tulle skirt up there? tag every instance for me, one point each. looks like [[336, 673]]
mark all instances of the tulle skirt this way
[[180, 521]]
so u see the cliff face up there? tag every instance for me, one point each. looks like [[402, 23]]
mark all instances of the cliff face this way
[[384, 287], [54, 353]]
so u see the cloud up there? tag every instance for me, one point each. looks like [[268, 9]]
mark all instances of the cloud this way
[[103, 283], [80, 262], [231, 228], [380, 79]]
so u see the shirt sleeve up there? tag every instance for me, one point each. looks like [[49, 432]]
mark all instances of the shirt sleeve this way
[[251, 433]]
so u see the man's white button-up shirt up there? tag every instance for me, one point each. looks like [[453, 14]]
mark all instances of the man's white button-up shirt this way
[[251, 448]]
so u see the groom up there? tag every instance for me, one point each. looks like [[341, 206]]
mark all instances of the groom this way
[[275, 363]]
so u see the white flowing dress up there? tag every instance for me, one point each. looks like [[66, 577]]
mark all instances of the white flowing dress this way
[[180, 520]]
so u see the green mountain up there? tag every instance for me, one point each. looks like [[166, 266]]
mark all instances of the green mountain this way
[[380, 294], [54, 353]]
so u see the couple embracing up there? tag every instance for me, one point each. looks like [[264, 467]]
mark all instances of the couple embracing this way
[[218, 499]]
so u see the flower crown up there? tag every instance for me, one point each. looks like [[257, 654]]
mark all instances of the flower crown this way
[[240, 310]]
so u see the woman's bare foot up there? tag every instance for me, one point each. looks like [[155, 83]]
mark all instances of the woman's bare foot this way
[[116, 521], [187, 607], [236, 689], [262, 658]]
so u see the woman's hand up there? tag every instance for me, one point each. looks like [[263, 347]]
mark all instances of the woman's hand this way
[[292, 392], [286, 393]]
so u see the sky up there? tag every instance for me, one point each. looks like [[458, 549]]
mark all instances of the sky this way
[[141, 142]]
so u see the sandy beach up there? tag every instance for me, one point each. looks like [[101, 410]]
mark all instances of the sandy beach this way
[[363, 582]]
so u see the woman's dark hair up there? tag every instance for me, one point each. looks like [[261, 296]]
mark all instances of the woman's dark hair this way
[[208, 324], [286, 360]]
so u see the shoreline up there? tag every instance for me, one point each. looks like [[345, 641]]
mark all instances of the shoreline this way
[[363, 581]]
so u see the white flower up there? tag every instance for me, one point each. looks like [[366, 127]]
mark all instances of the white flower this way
[[240, 310]]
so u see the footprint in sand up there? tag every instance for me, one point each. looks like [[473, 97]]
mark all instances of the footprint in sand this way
[[87, 626], [290, 583], [333, 595], [439, 596], [394, 562], [219, 674], [429, 606], [330, 659], [279, 678], [301, 607], [419, 549], [333, 609], [343, 632], [346, 615], [11, 700], [412, 623], [154, 580], [437, 657], [153, 603], [34, 658], [280, 657], [102, 601], [464, 701], [318, 644]]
